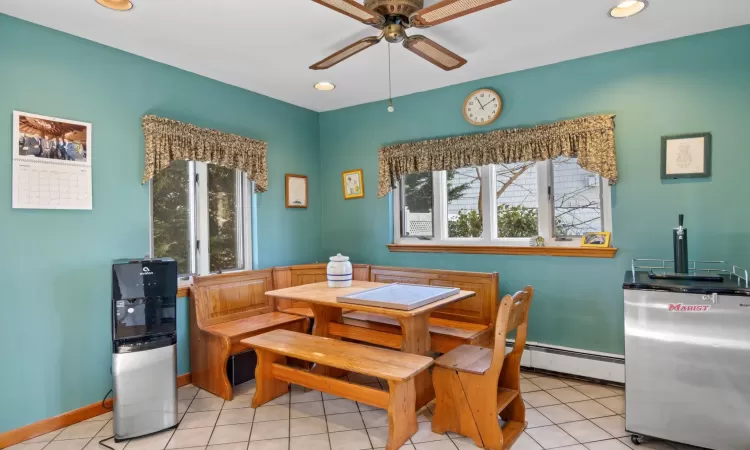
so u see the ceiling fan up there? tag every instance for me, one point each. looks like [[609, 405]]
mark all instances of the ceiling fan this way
[[394, 17]]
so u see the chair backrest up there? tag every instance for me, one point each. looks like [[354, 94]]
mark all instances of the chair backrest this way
[[231, 296], [513, 314], [480, 308]]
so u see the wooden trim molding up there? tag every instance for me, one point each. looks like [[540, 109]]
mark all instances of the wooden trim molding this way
[[575, 252], [183, 291], [66, 419]]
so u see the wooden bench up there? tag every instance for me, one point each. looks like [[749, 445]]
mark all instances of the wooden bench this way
[[273, 376], [469, 321], [224, 309]]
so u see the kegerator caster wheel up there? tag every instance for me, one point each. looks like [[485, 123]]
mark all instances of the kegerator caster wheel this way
[[637, 439]]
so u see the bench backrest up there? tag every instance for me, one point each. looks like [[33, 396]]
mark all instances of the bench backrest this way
[[290, 276], [231, 296], [481, 308]]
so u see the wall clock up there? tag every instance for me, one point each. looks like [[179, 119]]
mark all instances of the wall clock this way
[[482, 107]]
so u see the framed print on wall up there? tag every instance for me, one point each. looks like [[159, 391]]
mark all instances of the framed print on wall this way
[[353, 184], [686, 156], [296, 191]]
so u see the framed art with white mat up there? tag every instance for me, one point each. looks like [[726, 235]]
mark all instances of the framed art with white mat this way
[[686, 156], [296, 191]]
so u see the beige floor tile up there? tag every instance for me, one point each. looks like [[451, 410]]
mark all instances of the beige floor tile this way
[[551, 437], [314, 442], [378, 436], [269, 413], [183, 405], [567, 395], [524, 442], [107, 430], [424, 434], [403, 447], [199, 420], [595, 391], [560, 413], [376, 418], [272, 444], [648, 445], [614, 425], [270, 430], [327, 396], [590, 409], [153, 442], [232, 446], [536, 419], [424, 415], [281, 400], [573, 447], [247, 388], [69, 444], [205, 394], [350, 440], [347, 422], [309, 396], [105, 416], [187, 392], [548, 383], [45, 437], [227, 434], [464, 443], [529, 386], [365, 407], [28, 446], [235, 416], [307, 425], [80, 430], [616, 404], [94, 444], [612, 444], [192, 437], [530, 375], [340, 406], [436, 445], [307, 409], [541, 398], [617, 389], [585, 431], [206, 404], [239, 401]]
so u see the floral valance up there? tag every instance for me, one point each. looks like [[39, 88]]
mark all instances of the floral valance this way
[[590, 139], [169, 140]]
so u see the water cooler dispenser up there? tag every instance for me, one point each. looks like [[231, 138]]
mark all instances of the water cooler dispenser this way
[[144, 344]]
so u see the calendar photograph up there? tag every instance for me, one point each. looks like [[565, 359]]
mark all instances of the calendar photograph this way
[[51, 162]]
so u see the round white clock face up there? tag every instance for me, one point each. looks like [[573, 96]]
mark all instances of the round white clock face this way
[[482, 107]]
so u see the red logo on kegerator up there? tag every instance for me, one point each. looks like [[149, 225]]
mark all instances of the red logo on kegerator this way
[[679, 307]]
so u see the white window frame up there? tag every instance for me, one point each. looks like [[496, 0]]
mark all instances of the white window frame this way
[[545, 199], [200, 252]]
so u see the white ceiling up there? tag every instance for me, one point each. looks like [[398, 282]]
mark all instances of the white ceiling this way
[[266, 46]]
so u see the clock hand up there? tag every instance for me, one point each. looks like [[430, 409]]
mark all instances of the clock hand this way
[[480, 103]]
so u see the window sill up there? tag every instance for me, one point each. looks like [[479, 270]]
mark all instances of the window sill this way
[[575, 252]]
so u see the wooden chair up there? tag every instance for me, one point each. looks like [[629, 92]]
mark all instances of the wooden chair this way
[[465, 377]]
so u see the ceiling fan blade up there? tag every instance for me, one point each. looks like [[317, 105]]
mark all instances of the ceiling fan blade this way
[[446, 10], [345, 53], [433, 52], [354, 10]]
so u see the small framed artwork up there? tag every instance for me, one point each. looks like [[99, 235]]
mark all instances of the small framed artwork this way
[[353, 184], [596, 239], [296, 191], [686, 156]]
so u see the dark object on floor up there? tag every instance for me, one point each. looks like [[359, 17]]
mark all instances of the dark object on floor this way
[[241, 367]]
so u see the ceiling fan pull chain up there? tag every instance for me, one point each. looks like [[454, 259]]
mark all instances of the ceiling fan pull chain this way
[[390, 92]]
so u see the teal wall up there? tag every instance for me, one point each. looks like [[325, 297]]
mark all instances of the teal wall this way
[[694, 84], [55, 265]]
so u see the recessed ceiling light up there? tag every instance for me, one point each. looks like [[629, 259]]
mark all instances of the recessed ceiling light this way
[[628, 8], [325, 86], [117, 5]]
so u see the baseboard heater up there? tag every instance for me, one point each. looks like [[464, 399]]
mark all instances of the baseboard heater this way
[[571, 361]]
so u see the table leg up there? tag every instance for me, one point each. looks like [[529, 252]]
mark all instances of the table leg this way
[[323, 316], [416, 340]]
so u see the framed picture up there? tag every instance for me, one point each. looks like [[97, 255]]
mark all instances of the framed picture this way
[[296, 191], [596, 239], [686, 156], [353, 184]]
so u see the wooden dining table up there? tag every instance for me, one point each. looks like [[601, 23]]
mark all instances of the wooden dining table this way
[[329, 322]]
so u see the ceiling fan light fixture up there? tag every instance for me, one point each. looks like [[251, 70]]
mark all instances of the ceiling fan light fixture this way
[[325, 86], [117, 5], [628, 8]]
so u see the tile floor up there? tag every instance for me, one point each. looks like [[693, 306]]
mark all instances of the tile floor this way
[[561, 413]]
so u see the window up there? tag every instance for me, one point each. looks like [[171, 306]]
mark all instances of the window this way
[[203, 225], [502, 204]]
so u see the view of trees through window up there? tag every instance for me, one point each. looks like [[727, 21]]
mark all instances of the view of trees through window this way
[[222, 218], [171, 214]]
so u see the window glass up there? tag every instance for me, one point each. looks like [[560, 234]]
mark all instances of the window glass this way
[[224, 219], [577, 199], [171, 214], [464, 205], [517, 201], [417, 205]]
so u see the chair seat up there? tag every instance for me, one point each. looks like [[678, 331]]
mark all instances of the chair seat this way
[[445, 327], [239, 329], [467, 358]]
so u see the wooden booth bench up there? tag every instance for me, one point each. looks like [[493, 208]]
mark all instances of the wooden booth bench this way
[[224, 309], [273, 375]]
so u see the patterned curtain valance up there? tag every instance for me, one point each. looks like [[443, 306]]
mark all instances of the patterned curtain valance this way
[[590, 139], [169, 140]]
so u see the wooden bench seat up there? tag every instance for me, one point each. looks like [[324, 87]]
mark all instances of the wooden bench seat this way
[[399, 369], [239, 329]]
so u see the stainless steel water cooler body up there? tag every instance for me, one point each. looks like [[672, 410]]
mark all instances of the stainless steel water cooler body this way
[[144, 339]]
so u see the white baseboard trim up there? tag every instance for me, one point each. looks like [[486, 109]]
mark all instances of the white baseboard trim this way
[[573, 361]]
